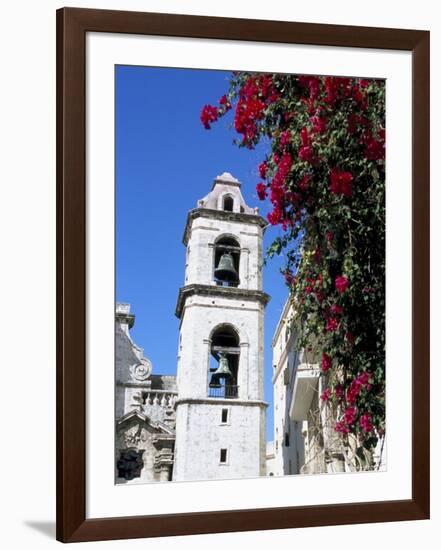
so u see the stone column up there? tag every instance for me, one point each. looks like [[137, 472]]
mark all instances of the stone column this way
[[244, 268], [244, 371], [212, 266], [206, 351]]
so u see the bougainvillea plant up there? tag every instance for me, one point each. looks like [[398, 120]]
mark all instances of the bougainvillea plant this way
[[324, 177]]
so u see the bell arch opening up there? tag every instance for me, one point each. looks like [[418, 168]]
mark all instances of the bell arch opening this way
[[224, 363], [226, 261], [228, 203]]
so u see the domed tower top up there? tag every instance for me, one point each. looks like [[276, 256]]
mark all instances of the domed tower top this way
[[226, 195], [224, 240]]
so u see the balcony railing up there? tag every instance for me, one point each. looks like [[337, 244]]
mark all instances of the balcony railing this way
[[224, 392]]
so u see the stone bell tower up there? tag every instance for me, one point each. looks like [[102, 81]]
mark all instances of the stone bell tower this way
[[220, 412]]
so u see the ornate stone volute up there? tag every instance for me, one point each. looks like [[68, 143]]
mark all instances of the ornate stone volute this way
[[141, 371]]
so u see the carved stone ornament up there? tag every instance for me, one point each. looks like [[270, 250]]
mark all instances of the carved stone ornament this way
[[142, 370]]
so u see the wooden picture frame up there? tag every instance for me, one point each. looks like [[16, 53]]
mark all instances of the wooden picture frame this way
[[72, 26]]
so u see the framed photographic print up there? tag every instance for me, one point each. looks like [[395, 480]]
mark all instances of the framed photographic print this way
[[242, 248]]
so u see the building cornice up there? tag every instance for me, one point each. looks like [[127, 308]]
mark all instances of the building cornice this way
[[220, 401], [237, 217], [220, 292]]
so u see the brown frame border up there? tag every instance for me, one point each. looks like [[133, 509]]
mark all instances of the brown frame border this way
[[72, 25]]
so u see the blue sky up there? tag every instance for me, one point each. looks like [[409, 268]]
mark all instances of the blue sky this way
[[165, 162]]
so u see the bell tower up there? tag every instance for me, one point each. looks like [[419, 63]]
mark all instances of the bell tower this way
[[220, 411]]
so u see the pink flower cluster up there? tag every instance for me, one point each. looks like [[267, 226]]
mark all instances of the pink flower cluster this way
[[355, 387], [209, 114], [349, 416], [366, 422], [326, 395], [278, 194], [263, 167], [341, 427], [374, 147], [254, 96], [326, 362], [341, 183], [332, 324], [261, 191], [341, 284], [306, 152]]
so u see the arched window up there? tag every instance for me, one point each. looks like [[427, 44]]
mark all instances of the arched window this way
[[224, 363], [228, 203], [226, 262]]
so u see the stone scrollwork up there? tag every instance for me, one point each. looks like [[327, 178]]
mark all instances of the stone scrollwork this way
[[134, 437], [142, 370]]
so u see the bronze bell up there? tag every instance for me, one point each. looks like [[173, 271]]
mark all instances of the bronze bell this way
[[222, 372], [225, 271]]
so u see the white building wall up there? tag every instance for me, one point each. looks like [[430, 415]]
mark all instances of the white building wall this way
[[200, 436], [288, 434]]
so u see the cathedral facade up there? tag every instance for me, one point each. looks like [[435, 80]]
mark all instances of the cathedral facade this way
[[208, 422]]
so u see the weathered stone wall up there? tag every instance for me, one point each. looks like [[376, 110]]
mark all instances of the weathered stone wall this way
[[200, 435], [152, 396]]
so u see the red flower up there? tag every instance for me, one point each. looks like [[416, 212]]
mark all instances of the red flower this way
[[336, 309], [353, 391], [285, 138], [341, 427], [209, 114], [283, 167], [261, 191], [364, 378], [341, 284], [223, 101], [276, 216], [350, 415], [307, 154], [313, 83], [304, 136], [359, 97], [374, 149], [326, 362], [332, 324], [249, 110], [326, 394], [331, 90], [354, 121], [366, 422], [341, 183], [278, 192], [263, 167], [318, 124]]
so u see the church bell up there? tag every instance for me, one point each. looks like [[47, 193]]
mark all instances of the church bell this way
[[226, 271], [222, 372]]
